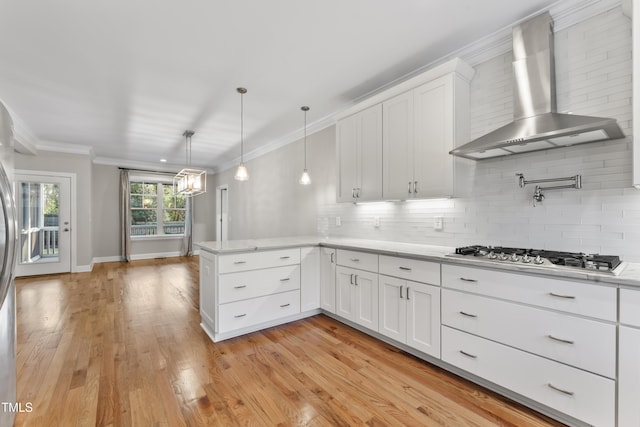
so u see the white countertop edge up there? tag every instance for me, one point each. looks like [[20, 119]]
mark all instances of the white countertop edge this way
[[629, 276]]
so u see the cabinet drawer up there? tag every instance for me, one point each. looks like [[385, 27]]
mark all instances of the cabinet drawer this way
[[242, 314], [361, 260], [411, 269], [630, 307], [583, 343], [582, 395], [564, 295], [232, 263], [256, 283]]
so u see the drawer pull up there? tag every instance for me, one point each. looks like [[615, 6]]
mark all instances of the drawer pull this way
[[467, 314], [355, 279], [285, 279], [560, 339], [240, 262], [351, 279], [237, 316], [408, 293], [354, 259], [239, 286], [553, 294], [401, 291], [285, 305], [568, 393], [473, 356], [464, 279], [285, 257], [405, 268]]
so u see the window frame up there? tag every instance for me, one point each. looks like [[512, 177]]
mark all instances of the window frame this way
[[161, 181]]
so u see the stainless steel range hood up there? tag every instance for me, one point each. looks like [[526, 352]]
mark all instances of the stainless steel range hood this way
[[537, 125]]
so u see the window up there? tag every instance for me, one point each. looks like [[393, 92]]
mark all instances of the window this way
[[155, 209]]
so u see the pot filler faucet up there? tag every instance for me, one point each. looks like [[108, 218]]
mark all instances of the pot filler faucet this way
[[538, 197]]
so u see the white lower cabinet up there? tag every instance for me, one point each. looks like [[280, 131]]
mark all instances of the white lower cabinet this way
[[357, 296], [629, 377], [410, 313], [577, 393], [309, 278], [328, 279]]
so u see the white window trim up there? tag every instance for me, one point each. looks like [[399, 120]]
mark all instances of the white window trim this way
[[152, 179]]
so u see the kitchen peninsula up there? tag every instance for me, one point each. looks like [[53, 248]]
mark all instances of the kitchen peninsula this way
[[481, 319]]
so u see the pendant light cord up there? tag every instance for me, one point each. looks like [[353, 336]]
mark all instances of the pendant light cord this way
[[305, 138]]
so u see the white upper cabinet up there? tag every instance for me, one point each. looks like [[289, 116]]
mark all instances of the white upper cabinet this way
[[636, 93], [418, 122], [359, 150]]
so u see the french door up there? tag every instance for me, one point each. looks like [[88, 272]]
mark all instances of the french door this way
[[44, 224]]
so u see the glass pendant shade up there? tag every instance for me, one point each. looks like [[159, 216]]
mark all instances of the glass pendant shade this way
[[242, 174], [188, 181], [305, 179]]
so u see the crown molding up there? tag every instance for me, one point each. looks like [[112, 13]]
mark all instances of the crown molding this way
[[65, 148], [132, 164]]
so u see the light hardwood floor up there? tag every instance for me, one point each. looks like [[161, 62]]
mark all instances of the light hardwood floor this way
[[122, 346]]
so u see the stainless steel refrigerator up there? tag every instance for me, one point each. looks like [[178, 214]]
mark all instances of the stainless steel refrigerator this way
[[8, 244]]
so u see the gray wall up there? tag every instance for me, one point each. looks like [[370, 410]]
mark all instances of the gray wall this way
[[82, 167], [272, 202]]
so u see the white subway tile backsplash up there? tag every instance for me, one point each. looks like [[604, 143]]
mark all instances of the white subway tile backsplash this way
[[593, 76]]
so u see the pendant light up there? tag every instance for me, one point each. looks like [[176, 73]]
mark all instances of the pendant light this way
[[242, 174], [305, 179], [190, 182]]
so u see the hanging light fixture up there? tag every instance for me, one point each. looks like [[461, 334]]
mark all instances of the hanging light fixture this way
[[190, 182], [242, 174], [305, 179]]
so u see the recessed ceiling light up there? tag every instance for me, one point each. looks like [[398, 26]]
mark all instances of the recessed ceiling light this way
[[163, 160]]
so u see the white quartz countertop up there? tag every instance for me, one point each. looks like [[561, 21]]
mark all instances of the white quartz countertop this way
[[629, 276]]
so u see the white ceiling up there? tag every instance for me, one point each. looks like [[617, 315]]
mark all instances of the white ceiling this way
[[127, 77]]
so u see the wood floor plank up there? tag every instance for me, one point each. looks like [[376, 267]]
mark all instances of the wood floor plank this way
[[122, 346]]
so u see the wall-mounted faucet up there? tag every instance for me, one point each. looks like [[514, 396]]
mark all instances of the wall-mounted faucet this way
[[538, 197]]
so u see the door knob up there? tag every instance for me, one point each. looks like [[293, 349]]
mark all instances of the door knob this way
[[66, 229]]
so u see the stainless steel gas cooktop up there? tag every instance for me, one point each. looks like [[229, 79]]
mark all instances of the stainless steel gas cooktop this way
[[540, 257]]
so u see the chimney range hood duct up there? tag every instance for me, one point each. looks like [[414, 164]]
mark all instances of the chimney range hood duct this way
[[537, 125]]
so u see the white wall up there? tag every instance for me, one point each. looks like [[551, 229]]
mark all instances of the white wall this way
[[272, 203], [593, 69]]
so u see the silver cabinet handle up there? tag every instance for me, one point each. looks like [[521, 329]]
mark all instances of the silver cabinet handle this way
[[285, 305], [408, 293], [473, 356], [355, 280], [401, 292], [358, 192], [468, 314], [351, 280], [354, 259], [239, 286], [464, 279], [405, 268], [560, 339], [353, 193], [286, 279], [332, 253], [415, 187], [553, 294], [409, 187], [568, 393], [240, 315], [240, 262], [285, 257]]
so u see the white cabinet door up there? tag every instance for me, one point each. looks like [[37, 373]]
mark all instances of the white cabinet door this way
[[433, 137], [328, 279], [370, 155], [344, 292], [397, 147], [310, 278], [347, 136], [392, 308], [423, 317], [359, 151], [366, 299], [629, 377]]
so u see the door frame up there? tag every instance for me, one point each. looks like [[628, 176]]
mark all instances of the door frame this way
[[222, 210], [72, 207]]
